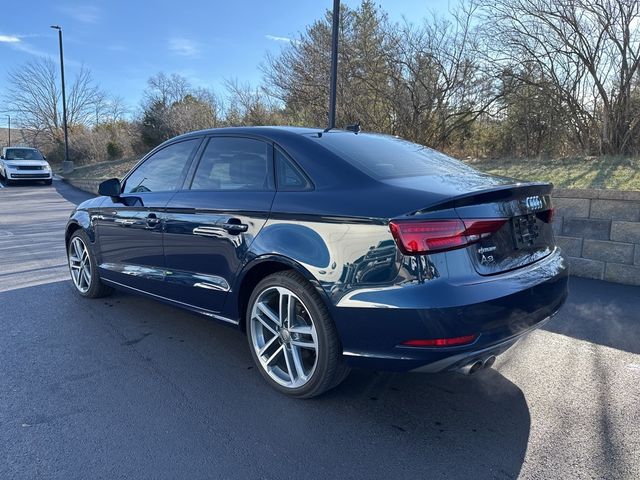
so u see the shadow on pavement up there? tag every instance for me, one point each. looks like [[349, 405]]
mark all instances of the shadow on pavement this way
[[126, 386], [70, 193], [600, 312]]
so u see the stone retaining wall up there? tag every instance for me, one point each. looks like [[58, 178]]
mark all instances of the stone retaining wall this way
[[84, 184], [599, 230]]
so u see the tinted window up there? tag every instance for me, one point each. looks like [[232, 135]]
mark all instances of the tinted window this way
[[288, 176], [384, 156], [22, 154], [230, 163], [161, 172]]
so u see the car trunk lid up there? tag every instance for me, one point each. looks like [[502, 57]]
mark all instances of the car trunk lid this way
[[525, 236]]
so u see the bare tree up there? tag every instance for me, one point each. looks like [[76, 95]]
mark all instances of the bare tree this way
[[441, 82], [589, 49], [34, 93], [247, 105]]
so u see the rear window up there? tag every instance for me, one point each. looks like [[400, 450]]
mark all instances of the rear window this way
[[384, 156], [22, 154]]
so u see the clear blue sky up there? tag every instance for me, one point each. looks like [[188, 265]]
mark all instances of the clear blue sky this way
[[123, 42]]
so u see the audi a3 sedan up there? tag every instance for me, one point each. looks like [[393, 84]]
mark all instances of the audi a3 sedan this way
[[24, 164], [328, 249]]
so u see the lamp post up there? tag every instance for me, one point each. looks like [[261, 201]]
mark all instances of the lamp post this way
[[9, 141], [67, 165], [334, 64]]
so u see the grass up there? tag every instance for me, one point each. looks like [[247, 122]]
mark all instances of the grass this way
[[104, 170], [615, 173]]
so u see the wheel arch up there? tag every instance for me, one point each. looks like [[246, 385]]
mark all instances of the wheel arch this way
[[79, 221], [259, 268]]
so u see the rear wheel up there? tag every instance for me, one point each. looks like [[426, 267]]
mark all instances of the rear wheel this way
[[292, 338], [83, 267]]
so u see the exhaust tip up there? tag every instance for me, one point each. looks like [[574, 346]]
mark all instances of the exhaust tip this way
[[489, 361], [475, 367], [471, 368]]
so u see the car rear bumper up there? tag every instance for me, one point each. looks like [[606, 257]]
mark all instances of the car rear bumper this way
[[499, 310], [459, 360]]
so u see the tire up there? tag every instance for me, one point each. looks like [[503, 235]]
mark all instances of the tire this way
[[77, 260], [289, 363]]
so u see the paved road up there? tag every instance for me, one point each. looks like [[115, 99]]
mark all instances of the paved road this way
[[128, 388]]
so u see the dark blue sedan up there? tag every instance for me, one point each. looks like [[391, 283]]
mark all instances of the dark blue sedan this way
[[328, 249]]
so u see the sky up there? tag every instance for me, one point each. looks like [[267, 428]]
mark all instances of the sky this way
[[124, 42]]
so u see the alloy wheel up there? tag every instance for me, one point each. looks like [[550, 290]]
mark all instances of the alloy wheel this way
[[284, 337], [80, 264]]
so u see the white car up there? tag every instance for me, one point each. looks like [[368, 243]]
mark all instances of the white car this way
[[22, 163]]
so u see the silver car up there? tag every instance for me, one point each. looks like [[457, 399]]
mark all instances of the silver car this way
[[21, 163]]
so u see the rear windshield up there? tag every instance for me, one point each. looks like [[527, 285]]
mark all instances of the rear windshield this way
[[384, 156], [22, 154]]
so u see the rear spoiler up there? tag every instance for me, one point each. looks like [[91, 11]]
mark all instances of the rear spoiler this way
[[503, 193]]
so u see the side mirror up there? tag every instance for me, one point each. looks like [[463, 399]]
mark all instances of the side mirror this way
[[110, 188], [44, 157]]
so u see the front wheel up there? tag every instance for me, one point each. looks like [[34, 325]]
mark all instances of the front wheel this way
[[83, 267], [292, 338]]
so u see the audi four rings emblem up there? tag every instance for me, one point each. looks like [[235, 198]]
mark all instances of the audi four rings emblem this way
[[534, 203]]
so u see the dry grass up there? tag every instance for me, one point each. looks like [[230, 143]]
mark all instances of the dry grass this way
[[104, 170], [616, 173]]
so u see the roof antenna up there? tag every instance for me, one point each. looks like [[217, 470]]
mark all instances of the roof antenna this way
[[355, 128], [334, 65]]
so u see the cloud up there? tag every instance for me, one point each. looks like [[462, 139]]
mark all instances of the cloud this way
[[16, 42], [275, 38], [83, 13], [9, 39], [184, 47]]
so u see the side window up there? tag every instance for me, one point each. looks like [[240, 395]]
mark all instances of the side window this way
[[163, 170], [233, 163], [288, 176]]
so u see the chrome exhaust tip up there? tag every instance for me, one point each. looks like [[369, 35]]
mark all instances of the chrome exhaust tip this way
[[489, 361], [471, 368]]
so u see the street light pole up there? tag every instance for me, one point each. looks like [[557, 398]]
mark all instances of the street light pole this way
[[9, 142], [334, 65], [67, 165]]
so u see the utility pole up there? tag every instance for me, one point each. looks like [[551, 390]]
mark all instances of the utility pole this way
[[9, 141], [67, 165], [334, 64]]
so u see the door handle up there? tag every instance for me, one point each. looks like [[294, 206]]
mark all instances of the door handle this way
[[235, 228], [152, 219]]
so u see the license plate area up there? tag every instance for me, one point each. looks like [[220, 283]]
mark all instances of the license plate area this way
[[526, 231]]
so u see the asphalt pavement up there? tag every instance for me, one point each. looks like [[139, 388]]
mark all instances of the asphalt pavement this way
[[125, 387]]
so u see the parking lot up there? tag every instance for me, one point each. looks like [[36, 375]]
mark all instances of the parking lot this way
[[125, 387]]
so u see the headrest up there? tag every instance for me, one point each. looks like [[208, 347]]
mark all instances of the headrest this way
[[249, 169]]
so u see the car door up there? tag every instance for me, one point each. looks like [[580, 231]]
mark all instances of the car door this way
[[211, 223], [130, 228]]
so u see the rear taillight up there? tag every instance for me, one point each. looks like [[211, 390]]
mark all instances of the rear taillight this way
[[432, 236]]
